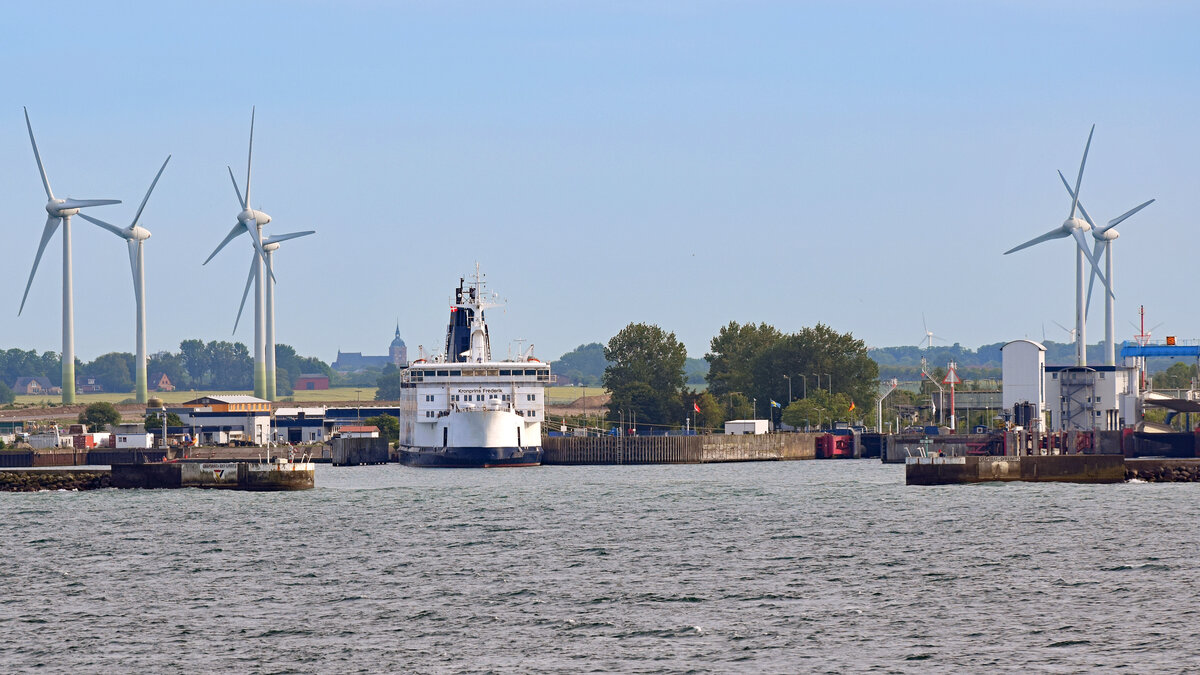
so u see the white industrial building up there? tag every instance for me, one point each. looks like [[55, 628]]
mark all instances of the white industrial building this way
[[1074, 398], [1023, 368], [1087, 398]]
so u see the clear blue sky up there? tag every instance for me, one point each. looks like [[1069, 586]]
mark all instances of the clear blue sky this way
[[854, 163]]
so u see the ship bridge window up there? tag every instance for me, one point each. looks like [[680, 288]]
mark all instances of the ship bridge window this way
[[505, 373], [443, 373], [531, 372], [455, 373]]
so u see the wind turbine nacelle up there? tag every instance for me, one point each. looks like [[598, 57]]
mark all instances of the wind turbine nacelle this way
[[139, 233], [52, 207], [257, 216], [273, 246], [1108, 235], [1071, 224]]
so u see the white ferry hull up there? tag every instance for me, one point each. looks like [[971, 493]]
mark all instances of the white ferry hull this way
[[475, 439]]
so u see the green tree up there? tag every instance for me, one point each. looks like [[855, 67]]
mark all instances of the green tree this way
[[645, 374], [732, 352], [819, 354], [6, 394], [820, 409], [388, 386], [389, 427], [113, 371], [1178, 376], [154, 420], [195, 359], [711, 415], [97, 415], [174, 365]]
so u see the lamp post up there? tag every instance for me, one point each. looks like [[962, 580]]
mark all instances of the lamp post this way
[[804, 391], [830, 383], [789, 379], [755, 400]]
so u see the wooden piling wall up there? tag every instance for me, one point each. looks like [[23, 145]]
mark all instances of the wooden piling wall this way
[[677, 449]]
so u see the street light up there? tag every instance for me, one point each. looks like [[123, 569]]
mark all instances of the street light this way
[[789, 379], [830, 383], [804, 381]]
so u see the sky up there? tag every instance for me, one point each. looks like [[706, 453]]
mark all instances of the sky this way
[[859, 164]]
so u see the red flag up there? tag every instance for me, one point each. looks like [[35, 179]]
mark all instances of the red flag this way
[[852, 405], [696, 406]]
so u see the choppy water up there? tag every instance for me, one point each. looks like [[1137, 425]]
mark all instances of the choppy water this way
[[769, 567]]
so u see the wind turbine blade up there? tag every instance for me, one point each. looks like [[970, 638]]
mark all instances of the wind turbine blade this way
[[1100, 244], [84, 203], [249, 280], [138, 215], [1156, 326], [1121, 218], [1056, 233], [252, 227], [237, 229], [1079, 178], [1082, 243], [134, 244], [111, 228], [924, 326], [1072, 193], [38, 156], [249, 157], [276, 238], [1060, 325], [47, 232], [235, 187]]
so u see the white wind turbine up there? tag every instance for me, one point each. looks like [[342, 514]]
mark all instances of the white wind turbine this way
[[135, 236], [1074, 227], [250, 221], [1104, 237], [60, 211], [270, 245], [929, 335]]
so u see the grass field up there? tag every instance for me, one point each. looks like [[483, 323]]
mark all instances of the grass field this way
[[563, 395], [175, 397]]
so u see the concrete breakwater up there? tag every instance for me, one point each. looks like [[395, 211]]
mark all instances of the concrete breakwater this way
[[61, 479], [677, 449], [1036, 468]]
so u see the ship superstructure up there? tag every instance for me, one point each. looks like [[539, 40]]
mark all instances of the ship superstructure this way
[[461, 408]]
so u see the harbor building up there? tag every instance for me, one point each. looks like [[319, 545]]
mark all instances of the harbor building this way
[[221, 419]]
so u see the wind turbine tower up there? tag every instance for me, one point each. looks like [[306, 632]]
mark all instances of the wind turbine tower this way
[[1075, 227], [60, 211], [270, 245], [135, 236], [250, 221]]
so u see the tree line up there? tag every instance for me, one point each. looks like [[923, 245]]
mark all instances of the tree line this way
[[217, 364], [750, 367]]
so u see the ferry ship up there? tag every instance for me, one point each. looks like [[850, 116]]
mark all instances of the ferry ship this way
[[461, 408]]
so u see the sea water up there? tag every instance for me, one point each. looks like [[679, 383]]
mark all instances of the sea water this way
[[751, 567]]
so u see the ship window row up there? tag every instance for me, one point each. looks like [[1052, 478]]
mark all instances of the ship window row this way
[[542, 374]]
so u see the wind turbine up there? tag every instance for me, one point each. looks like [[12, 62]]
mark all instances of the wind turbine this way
[[250, 221], [1069, 331], [929, 336], [60, 211], [1104, 237], [136, 235], [270, 245], [1074, 227]]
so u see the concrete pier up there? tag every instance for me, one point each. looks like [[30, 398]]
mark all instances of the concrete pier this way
[[677, 449], [1037, 468]]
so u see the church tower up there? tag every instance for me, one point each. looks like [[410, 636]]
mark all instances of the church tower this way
[[398, 351]]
